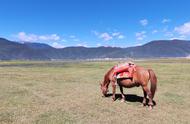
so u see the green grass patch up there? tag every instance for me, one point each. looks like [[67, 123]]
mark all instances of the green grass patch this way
[[46, 92]]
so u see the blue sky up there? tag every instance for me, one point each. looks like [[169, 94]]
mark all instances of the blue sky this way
[[92, 23]]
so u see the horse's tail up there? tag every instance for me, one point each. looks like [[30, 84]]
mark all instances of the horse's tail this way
[[153, 80]]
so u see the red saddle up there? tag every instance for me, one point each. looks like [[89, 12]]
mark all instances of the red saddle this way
[[126, 74], [123, 75]]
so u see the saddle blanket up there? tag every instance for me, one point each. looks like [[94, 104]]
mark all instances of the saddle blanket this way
[[123, 75]]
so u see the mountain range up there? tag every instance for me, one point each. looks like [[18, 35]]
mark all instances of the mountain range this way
[[10, 50]]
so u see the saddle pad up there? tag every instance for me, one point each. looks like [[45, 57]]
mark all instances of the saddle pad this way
[[123, 75]]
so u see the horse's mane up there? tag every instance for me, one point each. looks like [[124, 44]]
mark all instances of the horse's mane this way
[[106, 77]]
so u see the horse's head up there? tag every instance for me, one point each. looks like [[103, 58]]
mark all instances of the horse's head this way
[[105, 83], [104, 89]]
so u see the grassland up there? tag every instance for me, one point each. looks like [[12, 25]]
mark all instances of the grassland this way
[[64, 92]]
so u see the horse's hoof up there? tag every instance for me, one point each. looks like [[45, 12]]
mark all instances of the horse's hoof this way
[[113, 98], [122, 100], [150, 107]]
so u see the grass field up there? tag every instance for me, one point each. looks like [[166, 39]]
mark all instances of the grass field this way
[[63, 92]]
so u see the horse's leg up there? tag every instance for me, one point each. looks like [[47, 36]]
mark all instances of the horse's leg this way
[[113, 90], [123, 96], [150, 103], [144, 98]]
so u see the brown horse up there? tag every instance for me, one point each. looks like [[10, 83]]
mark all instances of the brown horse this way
[[141, 77]]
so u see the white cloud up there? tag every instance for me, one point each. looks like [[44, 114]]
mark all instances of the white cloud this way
[[121, 37], [182, 37], [53, 37], [109, 36], [57, 45], [72, 36], [183, 29], [63, 40], [116, 34], [105, 36], [140, 44], [140, 35], [154, 31], [166, 21], [22, 36], [169, 34], [99, 44], [144, 22], [82, 45]]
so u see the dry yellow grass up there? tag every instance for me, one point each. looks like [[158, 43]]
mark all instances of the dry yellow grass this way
[[63, 92]]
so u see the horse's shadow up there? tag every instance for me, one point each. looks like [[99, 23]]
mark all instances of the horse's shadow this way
[[130, 98]]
